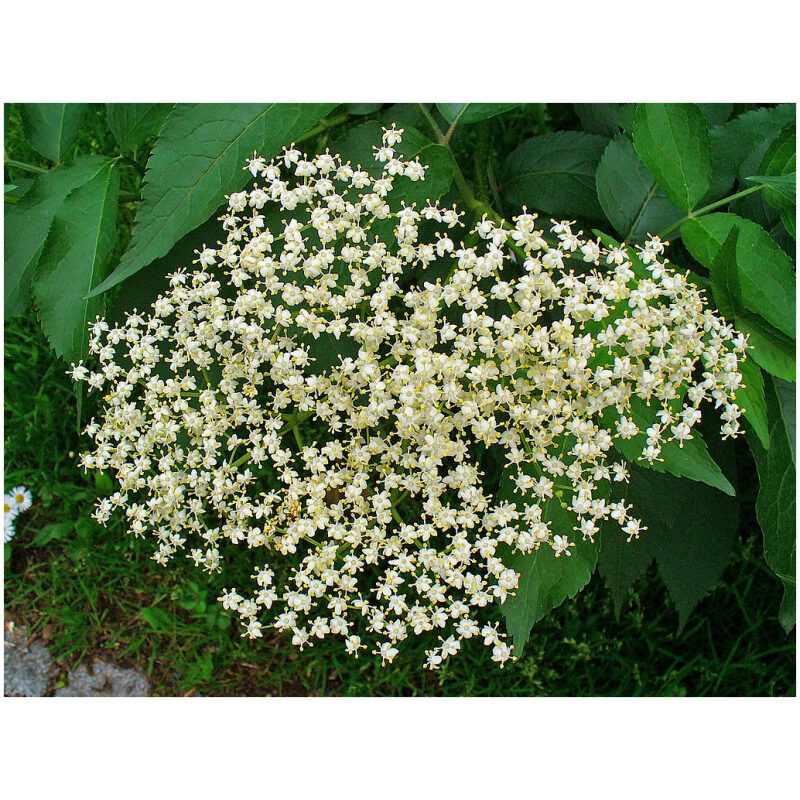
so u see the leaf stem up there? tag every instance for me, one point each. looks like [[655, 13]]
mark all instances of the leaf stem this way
[[458, 178], [324, 126], [711, 207], [10, 162]]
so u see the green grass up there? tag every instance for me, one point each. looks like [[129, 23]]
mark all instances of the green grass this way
[[86, 588]]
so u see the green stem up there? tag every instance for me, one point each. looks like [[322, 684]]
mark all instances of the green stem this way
[[711, 207], [458, 177], [10, 162], [325, 125]]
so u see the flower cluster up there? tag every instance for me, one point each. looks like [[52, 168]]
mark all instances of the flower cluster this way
[[361, 487], [19, 499]]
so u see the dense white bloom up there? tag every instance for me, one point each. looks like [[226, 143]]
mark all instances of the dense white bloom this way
[[360, 487]]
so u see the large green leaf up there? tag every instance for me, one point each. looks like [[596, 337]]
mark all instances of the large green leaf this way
[[545, 581], [629, 195], [775, 506], [690, 461], [766, 273], [132, 123], [199, 156], [27, 224], [74, 259], [555, 173], [673, 141], [465, 113], [692, 544], [51, 128]]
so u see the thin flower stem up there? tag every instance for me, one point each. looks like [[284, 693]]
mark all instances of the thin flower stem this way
[[711, 207]]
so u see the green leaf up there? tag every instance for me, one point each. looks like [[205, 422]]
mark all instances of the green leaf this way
[[199, 157], [555, 173], [634, 204], [766, 273], [782, 191], [787, 402], [51, 128], [750, 396], [361, 109], [158, 619], [690, 461], [740, 138], [692, 545], [132, 123], [725, 278], [716, 113], [53, 532], [781, 160], [466, 113], [770, 348], [28, 223], [621, 563], [356, 146], [789, 219], [775, 506], [673, 141], [545, 581], [74, 260], [600, 118]]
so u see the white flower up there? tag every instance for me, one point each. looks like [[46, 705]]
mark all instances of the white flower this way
[[8, 525], [19, 498], [356, 485]]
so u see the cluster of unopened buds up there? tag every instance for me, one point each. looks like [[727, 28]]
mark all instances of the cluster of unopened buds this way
[[361, 487]]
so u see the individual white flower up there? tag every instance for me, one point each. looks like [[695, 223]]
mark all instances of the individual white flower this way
[[9, 529], [19, 499]]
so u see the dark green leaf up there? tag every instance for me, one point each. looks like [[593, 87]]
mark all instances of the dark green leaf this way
[[750, 396], [692, 546], [600, 118], [771, 349], [54, 532], [634, 204], [74, 260], [716, 113], [781, 191], [28, 223], [132, 123], [740, 138], [787, 402], [361, 109], [781, 159], [673, 141], [725, 278], [198, 158], [555, 173], [775, 507], [465, 113], [51, 128], [621, 562], [766, 273], [789, 219]]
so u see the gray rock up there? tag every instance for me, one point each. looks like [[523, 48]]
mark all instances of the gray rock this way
[[26, 669], [104, 680]]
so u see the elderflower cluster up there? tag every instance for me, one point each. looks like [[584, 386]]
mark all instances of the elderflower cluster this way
[[361, 488]]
